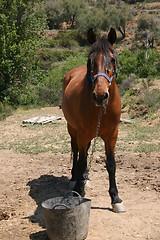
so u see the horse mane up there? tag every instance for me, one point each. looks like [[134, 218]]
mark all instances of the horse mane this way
[[102, 44]]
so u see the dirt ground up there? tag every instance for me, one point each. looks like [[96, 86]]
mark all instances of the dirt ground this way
[[26, 180]]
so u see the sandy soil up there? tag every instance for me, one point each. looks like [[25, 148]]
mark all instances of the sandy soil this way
[[26, 180]]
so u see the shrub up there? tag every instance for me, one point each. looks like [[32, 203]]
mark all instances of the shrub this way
[[50, 90], [127, 62], [137, 64], [95, 19], [50, 57], [150, 66], [72, 36]]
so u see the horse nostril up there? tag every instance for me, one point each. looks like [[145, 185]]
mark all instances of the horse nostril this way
[[105, 96], [100, 98]]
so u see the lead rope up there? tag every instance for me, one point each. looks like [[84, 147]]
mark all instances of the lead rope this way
[[95, 139]]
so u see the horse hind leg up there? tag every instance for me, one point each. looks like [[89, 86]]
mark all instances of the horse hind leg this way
[[85, 177], [81, 166], [82, 171], [74, 149], [74, 167]]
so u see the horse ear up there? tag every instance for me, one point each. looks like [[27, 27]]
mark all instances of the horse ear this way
[[112, 36], [91, 36]]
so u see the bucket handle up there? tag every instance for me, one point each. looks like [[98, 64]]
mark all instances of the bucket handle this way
[[75, 193], [79, 196], [61, 205]]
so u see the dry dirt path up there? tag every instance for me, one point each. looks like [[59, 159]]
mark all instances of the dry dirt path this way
[[27, 179]]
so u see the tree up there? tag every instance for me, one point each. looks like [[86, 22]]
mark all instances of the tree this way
[[54, 11], [147, 30], [21, 23], [119, 15], [72, 10], [64, 11], [94, 18]]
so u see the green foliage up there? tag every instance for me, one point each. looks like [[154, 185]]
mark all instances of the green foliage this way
[[135, 63], [150, 66], [127, 62], [21, 23], [50, 90], [72, 10], [51, 57], [54, 11], [99, 15], [73, 36], [95, 18], [64, 11], [119, 14]]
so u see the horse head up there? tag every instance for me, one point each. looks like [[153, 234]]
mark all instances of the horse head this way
[[101, 66]]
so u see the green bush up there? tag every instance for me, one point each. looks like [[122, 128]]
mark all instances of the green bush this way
[[94, 18], [50, 90], [73, 36], [49, 57], [127, 62], [150, 66], [135, 63]]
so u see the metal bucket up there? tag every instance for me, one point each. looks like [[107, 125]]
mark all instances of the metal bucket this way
[[67, 218]]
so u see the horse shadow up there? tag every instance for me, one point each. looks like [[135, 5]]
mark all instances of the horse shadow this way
[[41, 189]]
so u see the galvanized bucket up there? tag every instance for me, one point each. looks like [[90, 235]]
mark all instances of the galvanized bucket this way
[[67, 218]]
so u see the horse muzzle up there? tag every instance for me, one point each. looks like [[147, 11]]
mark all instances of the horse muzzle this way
[[100, 99]]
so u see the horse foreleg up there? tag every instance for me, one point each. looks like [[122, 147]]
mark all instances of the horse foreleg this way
[[113, 191], [111, 168]]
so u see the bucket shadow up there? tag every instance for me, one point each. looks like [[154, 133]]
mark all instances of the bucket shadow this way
[[41, 189]]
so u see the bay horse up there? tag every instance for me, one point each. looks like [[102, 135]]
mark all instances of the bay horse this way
[[87, 92]]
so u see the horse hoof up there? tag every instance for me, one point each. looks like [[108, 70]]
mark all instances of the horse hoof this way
[[118, 207], [87, 184], [72, 185]]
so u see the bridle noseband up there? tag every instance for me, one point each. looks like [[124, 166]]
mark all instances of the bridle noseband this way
[[103, 75]]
